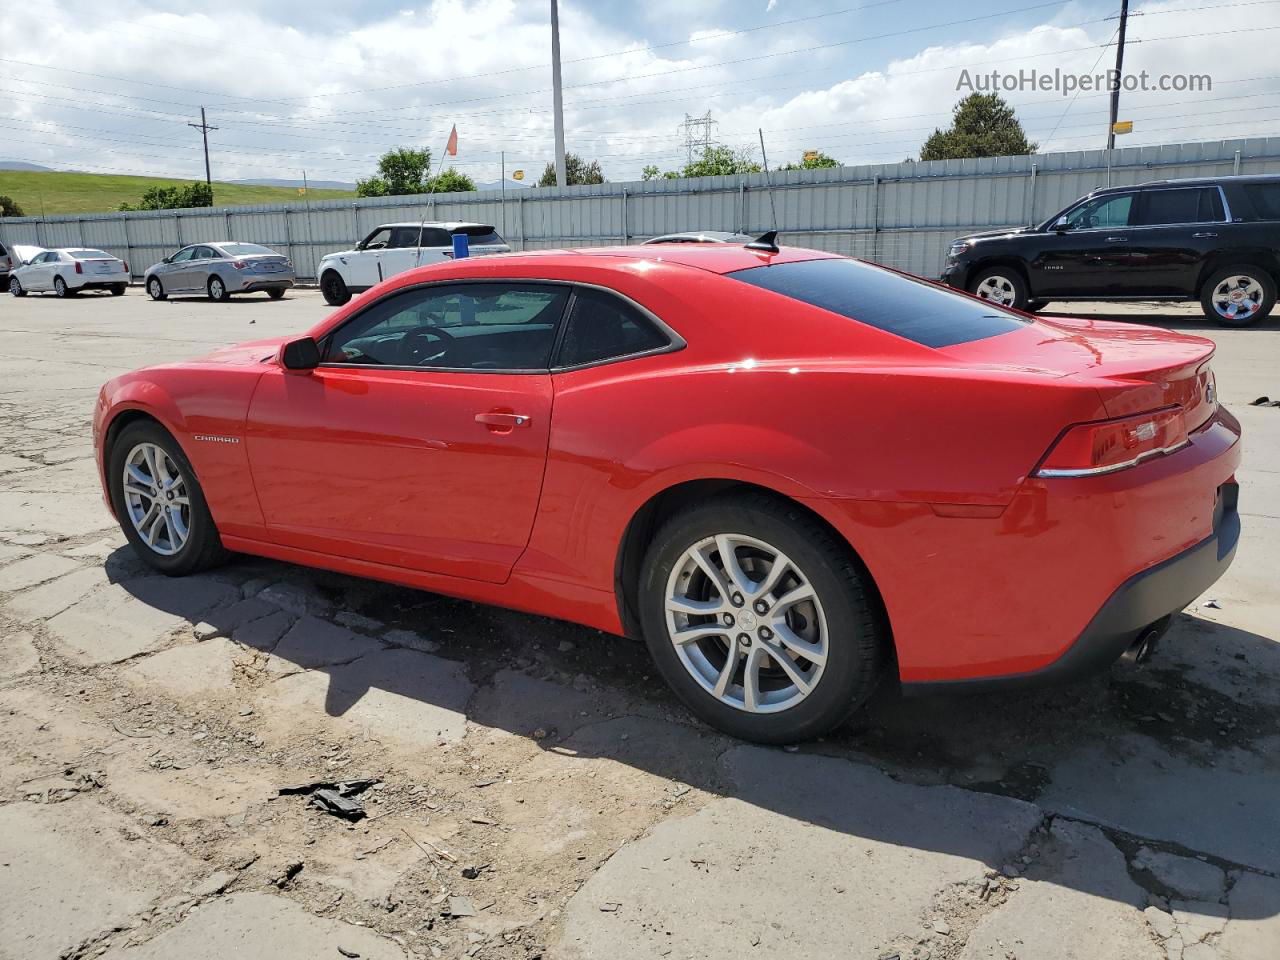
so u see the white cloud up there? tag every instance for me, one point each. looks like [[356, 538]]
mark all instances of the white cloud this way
[[279, 94]]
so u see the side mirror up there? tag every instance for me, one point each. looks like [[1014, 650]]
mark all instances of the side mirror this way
[[1062, 225], [301, 354]]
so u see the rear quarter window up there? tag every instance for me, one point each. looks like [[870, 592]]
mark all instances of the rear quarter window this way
[[888, 301], [1265, 198]]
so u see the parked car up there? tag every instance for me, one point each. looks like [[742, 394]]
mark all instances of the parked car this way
[[7, 263], [702, 236], [788, 470], [1215, 239], [219, 269], [67, 272], [393, 248]]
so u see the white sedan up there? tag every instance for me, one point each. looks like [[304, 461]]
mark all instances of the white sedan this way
[[68, 271]]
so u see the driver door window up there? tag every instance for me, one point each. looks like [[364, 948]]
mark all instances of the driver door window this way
[[474, 326], [1102, 213], [377, 240]]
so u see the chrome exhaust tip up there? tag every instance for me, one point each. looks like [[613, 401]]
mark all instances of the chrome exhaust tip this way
[[1146, 643]]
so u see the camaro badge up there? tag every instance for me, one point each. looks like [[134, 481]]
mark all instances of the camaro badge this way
[[215, 439]]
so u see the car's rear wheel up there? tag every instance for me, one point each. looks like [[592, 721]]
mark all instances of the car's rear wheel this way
[[760, 619], [1238, 296], [218, 290], [275, 294], [1002, 286], [159, 502], [60, 287], [117, 290], [334, 289], [15, 287], [155, 290]]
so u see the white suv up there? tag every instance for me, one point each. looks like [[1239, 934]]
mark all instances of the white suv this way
[[394, 248]]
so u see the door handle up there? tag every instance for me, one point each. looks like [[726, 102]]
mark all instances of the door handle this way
[[1116, 239], [507, 420], [1202, 236]]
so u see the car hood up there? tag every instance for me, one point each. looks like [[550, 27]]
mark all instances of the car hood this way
[[996, 234], [253, 351], [340, 253]]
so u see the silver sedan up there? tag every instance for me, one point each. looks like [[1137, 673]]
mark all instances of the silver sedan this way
[[217, 270]]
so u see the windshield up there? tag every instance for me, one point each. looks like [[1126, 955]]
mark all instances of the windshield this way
[[479, 235], [898, 304], [246, 249]]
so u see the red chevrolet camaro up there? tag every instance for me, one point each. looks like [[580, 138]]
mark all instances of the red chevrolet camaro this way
[[790, 472]]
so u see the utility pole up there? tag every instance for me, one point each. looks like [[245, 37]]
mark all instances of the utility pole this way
[[204, 129], [1115, 83], [557, 102], [697, 143]]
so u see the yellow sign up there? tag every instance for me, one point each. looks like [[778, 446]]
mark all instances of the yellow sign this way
[[811, 154], [517, 174], [301, 191], [1122, 126]]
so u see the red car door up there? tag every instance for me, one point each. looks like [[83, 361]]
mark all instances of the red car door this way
[[420, 440]]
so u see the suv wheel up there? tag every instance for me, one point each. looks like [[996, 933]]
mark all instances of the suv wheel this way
[[1238, 296], [334, 289], [1002, 286], [760, 619]]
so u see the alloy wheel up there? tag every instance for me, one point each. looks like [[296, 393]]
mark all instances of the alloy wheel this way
[[156, 499], [153, 288], [1237, 297], [997, 289], [216, 289], [746, 623]]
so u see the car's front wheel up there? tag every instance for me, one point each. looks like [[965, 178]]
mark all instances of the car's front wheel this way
[[159, 502], [334, 289], [760, 619], [1002, 286], [218, 290], [1238, 296], [155, 290], [15, 287]]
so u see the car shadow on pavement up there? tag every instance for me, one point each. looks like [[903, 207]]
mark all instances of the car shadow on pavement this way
[[1179, 755]]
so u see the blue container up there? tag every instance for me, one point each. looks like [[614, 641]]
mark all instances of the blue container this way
[[461, 246]]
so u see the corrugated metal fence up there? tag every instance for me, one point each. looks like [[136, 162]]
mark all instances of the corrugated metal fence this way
[[901, 214]]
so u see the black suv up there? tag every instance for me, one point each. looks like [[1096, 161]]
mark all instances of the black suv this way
[[1216, 240]]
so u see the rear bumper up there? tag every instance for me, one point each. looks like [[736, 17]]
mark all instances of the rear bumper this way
[[1139, 602], [257, 286]]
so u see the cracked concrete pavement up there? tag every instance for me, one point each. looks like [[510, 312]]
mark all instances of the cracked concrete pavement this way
[[538, 793]]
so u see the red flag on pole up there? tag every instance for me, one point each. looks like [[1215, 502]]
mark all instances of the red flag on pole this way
[[451, 148]]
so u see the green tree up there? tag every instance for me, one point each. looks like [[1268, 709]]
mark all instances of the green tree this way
[[576, 171], [450, 181], [9, 207], [982, 125], [650, 172], [174, 198], [401, 171], [719, 162], [817, 161]]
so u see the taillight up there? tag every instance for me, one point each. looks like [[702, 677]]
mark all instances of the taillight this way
[[79, 268], [126, 266], [240, 265], [1093, 448]]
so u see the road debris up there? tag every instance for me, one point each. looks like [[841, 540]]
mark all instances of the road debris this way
[[136, 734], [348, 953], [335, 797], [462, 907], [471, 873]]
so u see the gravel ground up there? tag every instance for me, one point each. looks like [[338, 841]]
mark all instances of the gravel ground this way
[[535, 791]]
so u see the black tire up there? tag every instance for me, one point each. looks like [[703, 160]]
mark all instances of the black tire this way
[[1212, 296], [334, 289], [856, 641], [275, 294], [61, 289], [1035, 306], [203, 548], [222, 294], [16, 288], [155, 289], [1001, 279], [117, 290]]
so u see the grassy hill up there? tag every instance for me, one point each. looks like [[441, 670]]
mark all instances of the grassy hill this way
[[102, 193]]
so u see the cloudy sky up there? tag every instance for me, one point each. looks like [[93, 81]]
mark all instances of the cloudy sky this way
[[109, 85]]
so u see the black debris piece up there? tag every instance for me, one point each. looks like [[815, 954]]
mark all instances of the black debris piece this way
[[335, 797]]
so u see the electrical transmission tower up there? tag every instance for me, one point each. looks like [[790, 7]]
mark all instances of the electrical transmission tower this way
[[697, 135]]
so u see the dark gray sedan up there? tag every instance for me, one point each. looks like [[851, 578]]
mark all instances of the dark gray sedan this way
[[217, 270]]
